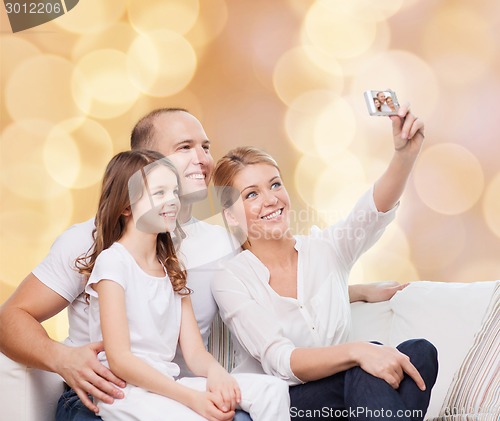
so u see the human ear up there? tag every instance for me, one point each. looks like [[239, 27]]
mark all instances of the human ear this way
[[127, 212], [230, 218]]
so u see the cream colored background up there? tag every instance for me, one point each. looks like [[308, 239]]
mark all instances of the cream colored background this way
[[284, 75]]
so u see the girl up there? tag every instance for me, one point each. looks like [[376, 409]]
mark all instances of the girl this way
[[286, 299], [378, 105], [140, 306]]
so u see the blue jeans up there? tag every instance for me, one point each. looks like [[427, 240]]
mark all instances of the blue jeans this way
[[241, 416], [355, 394], [71, 408]]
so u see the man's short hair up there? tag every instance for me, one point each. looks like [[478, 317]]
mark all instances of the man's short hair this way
[[142, 136]]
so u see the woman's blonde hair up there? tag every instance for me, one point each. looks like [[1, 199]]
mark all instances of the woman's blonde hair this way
[[226, 170], [116, 198]]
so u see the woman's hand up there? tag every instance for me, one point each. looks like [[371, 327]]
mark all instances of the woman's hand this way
[[407, 130], [225, 386], [387, 363]]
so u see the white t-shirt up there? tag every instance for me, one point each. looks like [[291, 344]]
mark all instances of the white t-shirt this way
[[203, 248], [153, 309], [268, 326]]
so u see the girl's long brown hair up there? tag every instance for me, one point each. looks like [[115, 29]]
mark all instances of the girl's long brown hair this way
[[110, 220]]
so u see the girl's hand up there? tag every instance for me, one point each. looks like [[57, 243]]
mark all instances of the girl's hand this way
[[225, 386], [407, 130], [208, 404]]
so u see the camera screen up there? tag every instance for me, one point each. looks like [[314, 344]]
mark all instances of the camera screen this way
[[382, 102]]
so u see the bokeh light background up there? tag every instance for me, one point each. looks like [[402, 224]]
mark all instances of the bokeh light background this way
[[284, 75]]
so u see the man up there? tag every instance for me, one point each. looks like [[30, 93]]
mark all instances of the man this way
[[54, 284]]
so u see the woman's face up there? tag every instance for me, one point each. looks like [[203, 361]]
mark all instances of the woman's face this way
[[262, 211], [156, 210], [377, 103], [389, 102]]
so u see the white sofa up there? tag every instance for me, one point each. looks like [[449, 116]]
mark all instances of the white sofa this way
[[450, 315]]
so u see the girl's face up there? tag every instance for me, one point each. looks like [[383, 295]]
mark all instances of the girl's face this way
[[389, 101], [263, 208], [156, 210], [377, 103]]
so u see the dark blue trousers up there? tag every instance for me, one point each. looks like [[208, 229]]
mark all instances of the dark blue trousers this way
[[356, 395]]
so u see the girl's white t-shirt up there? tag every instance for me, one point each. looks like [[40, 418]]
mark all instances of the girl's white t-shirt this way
[[153, 308]]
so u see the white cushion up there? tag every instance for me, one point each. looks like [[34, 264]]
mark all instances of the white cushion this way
[[371, 322], [446, 314], [27, 394]]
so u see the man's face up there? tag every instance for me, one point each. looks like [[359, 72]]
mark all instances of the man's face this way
[[180, 136], [381, 97]]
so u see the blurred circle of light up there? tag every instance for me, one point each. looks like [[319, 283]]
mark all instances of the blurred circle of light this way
[[305, 176], [337, 30], [175, 15], [76, 153], [161, 63], [12, 268], [46, 218], [294, 74], [463, 52], [22, 169], [491, 205], [335, 129], [479, 269], [339, 186], [301, 118], [117, 37], [41, 93], [395, 267], [412, 79], [448, 178], [92, 16], [437, 240], [17, 50], [351, 66], [210, 23], [101, 86], [364, 9]]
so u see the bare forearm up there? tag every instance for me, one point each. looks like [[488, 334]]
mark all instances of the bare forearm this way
[[310, 364], [390, 186], [136, 371], [357, 293], [23, 339], [201, 362]]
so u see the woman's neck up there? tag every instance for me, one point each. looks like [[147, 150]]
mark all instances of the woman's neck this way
[[270, 251]]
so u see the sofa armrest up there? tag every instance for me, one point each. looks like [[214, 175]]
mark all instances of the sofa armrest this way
[[28, 394]]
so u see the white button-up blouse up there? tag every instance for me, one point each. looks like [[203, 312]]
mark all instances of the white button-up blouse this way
[[267, 326]]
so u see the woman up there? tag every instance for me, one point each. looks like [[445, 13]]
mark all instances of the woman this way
[[390, 104], [286, 300]]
